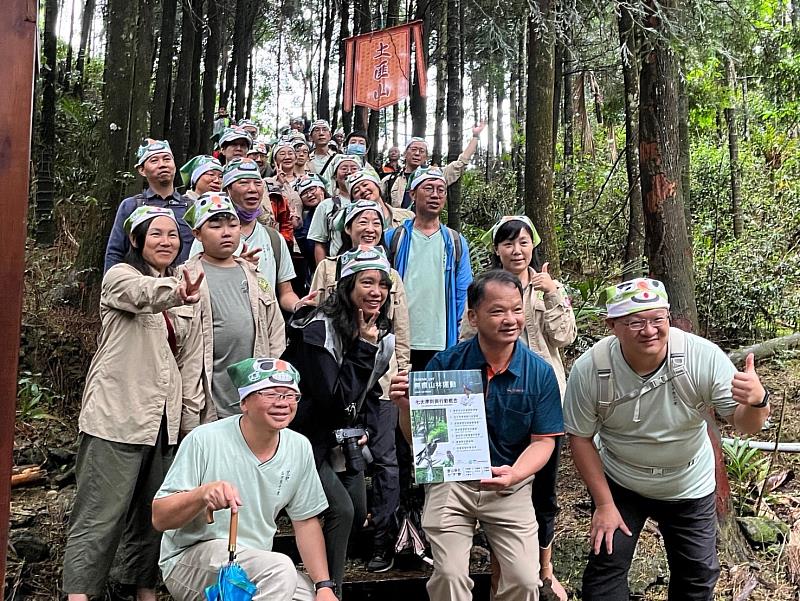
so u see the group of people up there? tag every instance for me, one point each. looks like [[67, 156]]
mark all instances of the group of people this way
[[257, 334]]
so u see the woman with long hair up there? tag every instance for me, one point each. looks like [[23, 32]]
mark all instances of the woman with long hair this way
[[143, 392], [549, 326], [341, 349]]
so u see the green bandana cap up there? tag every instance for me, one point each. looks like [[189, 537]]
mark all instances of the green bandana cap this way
[[252, 375], [206, 207], [635, 296], [151, 147], [422, 174], [363, 259], [313, 180], [416, 139], [353, 210], [234, 133], [319, 123], [196, 167], [488, 237], [146, 213], [360, 176], [258, 148], [240, 169]]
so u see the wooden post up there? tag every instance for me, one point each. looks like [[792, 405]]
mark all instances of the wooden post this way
[[17, 46]]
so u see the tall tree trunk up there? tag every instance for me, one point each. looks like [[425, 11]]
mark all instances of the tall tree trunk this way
[[733, 150], [344, 32], [211, 66], [539, 130], [67, 75], [45, 184], [454, 108], [323, 106], [558, 73], [490, 126], [629, 46], [179, 138], [569, 134], [361, 113], [80, 61], [251, 87], [141, 80], [392, 19], [500, 96], [115, 158], [195, 95], [520, 106], [419, 105], [441, 87], [667, 244], [685, 152], [242, 46], [159, 109]]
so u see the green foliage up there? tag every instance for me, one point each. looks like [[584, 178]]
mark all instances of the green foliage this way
[[438, 431], [746, 469], [33, 398]]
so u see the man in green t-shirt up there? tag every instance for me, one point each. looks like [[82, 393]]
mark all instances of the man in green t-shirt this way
[[255, 466], [644, 393]]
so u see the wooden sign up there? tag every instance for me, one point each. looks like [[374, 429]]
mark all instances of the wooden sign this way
[[378, 66]]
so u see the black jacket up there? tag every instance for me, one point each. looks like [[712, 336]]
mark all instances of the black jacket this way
[[331, 377]]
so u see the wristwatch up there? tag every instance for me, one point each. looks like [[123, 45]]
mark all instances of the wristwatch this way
[[325, 584], [764, 402]]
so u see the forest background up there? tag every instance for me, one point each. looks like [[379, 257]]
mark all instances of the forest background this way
[[641, 137]]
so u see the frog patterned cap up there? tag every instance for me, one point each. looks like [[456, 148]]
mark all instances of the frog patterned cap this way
[[359, 176], [252, 375], [362, 259], [150, 147], [306, 183], [234, 133], [353, 210], [240, 169], [422, 174], [196, 167], [146, 213], [208, 205], [634, 296]]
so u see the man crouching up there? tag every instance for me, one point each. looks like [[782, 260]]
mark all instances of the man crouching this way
[[254, 465]]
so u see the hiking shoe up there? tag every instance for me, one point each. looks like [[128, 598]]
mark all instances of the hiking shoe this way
[[382, 561]]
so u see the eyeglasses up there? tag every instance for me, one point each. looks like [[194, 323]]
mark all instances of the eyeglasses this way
[[635, 325], [273, 397]]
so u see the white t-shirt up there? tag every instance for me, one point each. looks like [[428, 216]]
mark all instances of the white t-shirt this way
[[218, 451], [259, 238], [668, 434], [319, 231]]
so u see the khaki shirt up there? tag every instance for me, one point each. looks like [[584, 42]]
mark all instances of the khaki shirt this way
[[549, 326], [324, 282], [452, 171], [270, 332], [134, 378]]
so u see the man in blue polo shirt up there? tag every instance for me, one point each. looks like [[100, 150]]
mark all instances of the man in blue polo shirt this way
[[523, 415]]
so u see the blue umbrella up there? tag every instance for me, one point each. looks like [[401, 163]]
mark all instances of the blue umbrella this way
[[232, 581]]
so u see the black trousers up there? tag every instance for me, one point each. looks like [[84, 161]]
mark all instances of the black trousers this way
[[382, 423], [545, 502], [689, 528]]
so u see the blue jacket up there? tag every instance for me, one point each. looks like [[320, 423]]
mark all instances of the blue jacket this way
[[455, 283], [118, 243]]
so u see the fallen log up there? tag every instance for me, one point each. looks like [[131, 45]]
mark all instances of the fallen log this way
[[29, 475], [765, 349]]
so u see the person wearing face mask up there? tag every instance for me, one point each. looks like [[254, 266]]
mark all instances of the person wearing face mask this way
[[549, 325], [260, 244], [156, 164], [395, 185]]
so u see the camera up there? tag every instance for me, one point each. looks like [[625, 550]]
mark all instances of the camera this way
[[348, 439]]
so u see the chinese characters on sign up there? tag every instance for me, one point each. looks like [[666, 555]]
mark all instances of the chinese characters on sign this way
[[378, 67]]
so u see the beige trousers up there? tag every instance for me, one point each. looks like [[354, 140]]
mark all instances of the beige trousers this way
[[451, 512], [274, 574]]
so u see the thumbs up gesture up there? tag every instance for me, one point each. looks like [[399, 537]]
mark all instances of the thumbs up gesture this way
[[542, 280], [746, 387]]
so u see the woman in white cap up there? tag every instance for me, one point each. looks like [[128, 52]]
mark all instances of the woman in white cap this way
[[549, 326], [143, 392], [341, 350]]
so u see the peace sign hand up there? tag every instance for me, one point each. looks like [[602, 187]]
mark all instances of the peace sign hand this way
[[189, 290], [251, 256], [368, 330]]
